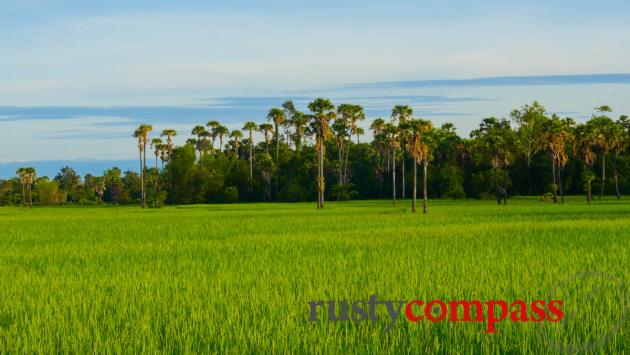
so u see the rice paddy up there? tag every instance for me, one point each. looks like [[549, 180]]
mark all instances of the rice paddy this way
[[238, 278]]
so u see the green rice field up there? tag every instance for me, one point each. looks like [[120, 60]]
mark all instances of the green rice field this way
[[238, 278]]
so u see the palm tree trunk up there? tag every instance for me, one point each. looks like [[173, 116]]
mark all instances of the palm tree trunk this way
[[402, 162], [425, 202], [141, 179], [553, 185], [415, 173], [170, 177], [560, 184], [340, 171], [277, 161], [23, 194], [345, 169], [30, 195], [144, 169], [601, 192], [251, 166], [616, 176], [394, 177]]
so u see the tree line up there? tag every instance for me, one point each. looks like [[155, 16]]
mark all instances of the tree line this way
[[317, 155]]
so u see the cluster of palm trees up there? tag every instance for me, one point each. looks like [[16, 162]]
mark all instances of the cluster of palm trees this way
[[494, 142], [27, 178]]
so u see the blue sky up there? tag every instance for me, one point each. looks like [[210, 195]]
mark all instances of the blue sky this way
[[75, 76]]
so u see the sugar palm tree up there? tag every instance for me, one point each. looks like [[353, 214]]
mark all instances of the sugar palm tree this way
[[201, 133], [250, 127], [585, 141], [142, 133], [27, 178], [289, 111], [557, 133], [222, 132], [169, 134], [156, 145], [393, 142], [400, 115], [619, 144], [420, 146], [299, 120], [603, 128], [278, 117], [266, 129], [359, 132], [236, 136], [323, 111], [212, 130]]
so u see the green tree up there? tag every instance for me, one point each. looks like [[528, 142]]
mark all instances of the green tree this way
[[323, 111], [278, 117], [400, 115], [529, 135], [250, 127], [420, 144], [142, 133], [169, 133]]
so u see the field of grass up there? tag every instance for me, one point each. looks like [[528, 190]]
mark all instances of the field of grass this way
[[237, 278]]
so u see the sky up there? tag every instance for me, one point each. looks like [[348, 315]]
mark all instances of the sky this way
[[76, 77]]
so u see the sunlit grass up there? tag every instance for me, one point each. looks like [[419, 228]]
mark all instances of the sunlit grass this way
[[237, 278]]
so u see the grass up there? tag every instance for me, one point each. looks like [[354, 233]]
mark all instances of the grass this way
[[237, 278]]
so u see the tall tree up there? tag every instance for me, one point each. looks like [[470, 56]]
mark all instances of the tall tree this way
[[619, 144], [156, 145], [27, 177], [393, 143], [169, 133], [265, 129], [200, 132], [400, 115], [419, 145], [529, 135], [299, 121], [495, 141], [585, 141], [289, 112], [142, 133], [222, 132], [278, 117], [558, 135], [604, 132], [250, 127], [236, 136], [323, 111], [212, 130]]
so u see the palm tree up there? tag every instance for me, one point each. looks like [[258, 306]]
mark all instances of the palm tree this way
[[27, 178], [359, 132], [156, 145], [251, 127], [169, 134], [266, 128], [323, 111], [289, 111], [299, 120], [557, 135], [236, 136], [401, 114], [604, 132], [278, 117], [619, 144], [201, 133], [142, 133], [378, 131], [393, 143], [586, 139], [222, 132], [419, 146], [212, 129]]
